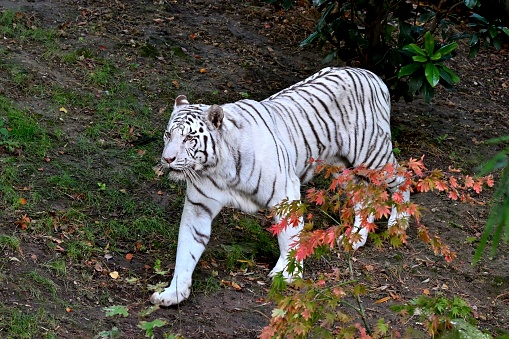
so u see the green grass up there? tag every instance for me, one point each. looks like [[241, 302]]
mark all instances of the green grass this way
[[21, 26], [59, 266], [23, 323], [9, 242], [26, 129], [45, 284]]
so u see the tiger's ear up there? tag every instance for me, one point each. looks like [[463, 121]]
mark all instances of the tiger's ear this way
[[181, 100], [215, 115]]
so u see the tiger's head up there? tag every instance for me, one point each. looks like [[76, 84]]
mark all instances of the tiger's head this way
[[190, 139]]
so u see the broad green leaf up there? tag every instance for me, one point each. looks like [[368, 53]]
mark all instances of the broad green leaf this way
[[493, 31], [505, 30], [408, 69], [419, 58], [479, 18], [474, 49], [312, 37], [447, 49], [432, 74], [413, 48], [318, 3], [471, 3], [325, 15], [427, 92], [496, 43], [429, 43], [330, 57], [473, 40], [415, 83], [436, 56], [444, 75], [455, 79], [116, 310]]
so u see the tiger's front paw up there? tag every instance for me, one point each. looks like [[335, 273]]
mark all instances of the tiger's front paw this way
[[281, 267], [357, 244], [170, 296]]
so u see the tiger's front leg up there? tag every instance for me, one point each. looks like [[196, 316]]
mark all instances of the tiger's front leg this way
[[285, 241], [194, 234]]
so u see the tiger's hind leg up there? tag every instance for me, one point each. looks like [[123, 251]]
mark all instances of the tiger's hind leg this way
[[396, 217]]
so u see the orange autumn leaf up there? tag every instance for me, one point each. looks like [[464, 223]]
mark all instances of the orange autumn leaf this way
[[129, 256], [22, 201]]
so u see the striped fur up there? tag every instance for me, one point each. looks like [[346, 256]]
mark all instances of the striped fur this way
[[251, 155]]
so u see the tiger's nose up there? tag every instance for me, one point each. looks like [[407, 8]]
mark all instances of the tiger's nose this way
[[169, 160]]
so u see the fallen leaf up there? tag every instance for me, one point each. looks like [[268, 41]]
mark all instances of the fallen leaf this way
[[203, 70], [369, 268], [22, 201], [160, 192], [114, 274], [236, 286], [98, 267], [68, 309], [129, 256], [383, 300], [63, 110], [47, 159], [176, 84], [425, 291], [23, 222]]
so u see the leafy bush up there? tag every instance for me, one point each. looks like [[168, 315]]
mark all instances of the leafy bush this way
[[383, 36], [312, 308]]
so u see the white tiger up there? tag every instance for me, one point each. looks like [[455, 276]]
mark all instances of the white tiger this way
[[251, 155]]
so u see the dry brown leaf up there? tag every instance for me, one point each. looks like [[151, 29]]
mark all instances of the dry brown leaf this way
[[383, 300], [236, 286]]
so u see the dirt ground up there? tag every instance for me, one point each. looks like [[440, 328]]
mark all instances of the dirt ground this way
[[244, 48]]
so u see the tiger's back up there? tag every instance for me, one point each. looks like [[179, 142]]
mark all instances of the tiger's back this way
[[338, 115]]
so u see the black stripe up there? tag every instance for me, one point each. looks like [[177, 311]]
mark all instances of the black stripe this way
[[205, 208]]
